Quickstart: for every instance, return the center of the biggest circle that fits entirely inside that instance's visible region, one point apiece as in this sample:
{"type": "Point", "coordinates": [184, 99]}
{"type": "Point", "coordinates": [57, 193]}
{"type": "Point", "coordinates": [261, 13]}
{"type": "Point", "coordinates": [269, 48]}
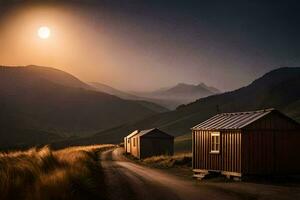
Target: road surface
{"type": "Point", "coordinates": [130, 181]}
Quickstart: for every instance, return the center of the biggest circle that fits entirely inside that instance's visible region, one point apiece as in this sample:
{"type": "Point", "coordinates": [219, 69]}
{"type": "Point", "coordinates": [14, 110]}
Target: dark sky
{"type": "Point", "coordinates": [226, 44]}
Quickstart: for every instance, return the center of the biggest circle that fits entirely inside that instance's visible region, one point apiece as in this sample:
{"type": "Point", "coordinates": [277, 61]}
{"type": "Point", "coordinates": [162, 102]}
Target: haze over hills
{"type": "Point", "coordinates": [170, 97]}
{"type": "Point", "coordinates": [46, 104]}
{"type": "Point", "coordinates": [181, 93]}
{"type": "Point", "coordinates": [110, 90]}
{"type": "Point", "coordinates": [149, 103]}
{"type": "Point", "coordinates": [277, 89]}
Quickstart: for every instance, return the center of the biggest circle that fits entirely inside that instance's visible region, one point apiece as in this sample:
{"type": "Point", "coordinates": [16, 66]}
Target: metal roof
{"type": "Point", "coordinates": [235, 120]}
{"type": "Point", "coordinates": [144, 132]}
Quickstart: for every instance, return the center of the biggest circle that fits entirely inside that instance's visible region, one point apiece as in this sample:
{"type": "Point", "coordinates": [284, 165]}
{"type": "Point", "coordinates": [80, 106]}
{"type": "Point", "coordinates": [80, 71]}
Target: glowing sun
{"type": "Point", "coordinates": [44, 32]}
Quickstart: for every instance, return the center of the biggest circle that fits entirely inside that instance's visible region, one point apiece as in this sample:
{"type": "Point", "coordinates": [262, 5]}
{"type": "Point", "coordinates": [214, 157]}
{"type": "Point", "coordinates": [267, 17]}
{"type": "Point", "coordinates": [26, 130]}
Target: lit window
{"type": "Point", "coordinates": [215, 142]}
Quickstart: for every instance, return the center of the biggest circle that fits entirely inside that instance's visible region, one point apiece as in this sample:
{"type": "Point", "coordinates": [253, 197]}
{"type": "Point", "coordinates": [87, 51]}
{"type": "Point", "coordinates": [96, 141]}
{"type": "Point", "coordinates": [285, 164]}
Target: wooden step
{"type": "Point", "coordinates": [200, 175]}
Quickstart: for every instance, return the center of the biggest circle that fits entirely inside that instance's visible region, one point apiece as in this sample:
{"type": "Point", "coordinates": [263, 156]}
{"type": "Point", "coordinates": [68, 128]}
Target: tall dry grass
{"type": "Point", "coordinates": [40, 173]}
{"type": "Point", "coordinates": [166, 161]}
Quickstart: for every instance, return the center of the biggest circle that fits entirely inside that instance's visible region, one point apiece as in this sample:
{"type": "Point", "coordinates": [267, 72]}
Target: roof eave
{"type": "Point", "coordinates": [222, 129]}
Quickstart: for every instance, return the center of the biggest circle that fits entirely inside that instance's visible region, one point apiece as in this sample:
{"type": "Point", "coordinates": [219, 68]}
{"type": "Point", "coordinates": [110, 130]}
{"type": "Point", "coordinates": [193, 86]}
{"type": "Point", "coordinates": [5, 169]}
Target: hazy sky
{"type": "Point", "coordinates": [144, 45]}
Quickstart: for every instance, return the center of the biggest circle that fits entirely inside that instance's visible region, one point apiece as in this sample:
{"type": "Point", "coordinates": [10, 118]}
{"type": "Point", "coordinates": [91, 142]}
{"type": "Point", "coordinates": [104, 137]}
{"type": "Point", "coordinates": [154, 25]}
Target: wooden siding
{"type": "Point", "coordinates": [229, 158]}
{"type": "Point", "coordinates": [125, 144]}
{"type": "Point", "coordinates": [128, 145]}
{"type": "Point", "coordinates": [153, 143]}
{"type": "Point", "coordinates": [271, 146]}
{"type": "Point", "coordinates": [273, 121]}
{"type": "Point", "coordinates": [270, 152]}
{"type": "Point", "coordinates": [156, 146]}
{"type": "Point", "coordinates": [135, 149]}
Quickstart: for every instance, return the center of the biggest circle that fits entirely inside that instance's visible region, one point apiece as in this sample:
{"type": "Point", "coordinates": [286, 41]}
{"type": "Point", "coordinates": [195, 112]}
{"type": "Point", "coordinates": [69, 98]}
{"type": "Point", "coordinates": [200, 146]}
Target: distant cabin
{"type": "Point", "coordinates": [264, 142]}
{"type": "Point", "coordinates": [147, 143]}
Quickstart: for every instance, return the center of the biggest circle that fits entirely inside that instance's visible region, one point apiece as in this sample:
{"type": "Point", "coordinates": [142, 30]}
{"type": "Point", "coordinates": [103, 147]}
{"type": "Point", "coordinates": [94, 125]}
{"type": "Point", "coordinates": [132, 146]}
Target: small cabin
{"type": "Point", "coordinates": [147, 143]}
{"type": "Point", "coordinates": [264, 142]}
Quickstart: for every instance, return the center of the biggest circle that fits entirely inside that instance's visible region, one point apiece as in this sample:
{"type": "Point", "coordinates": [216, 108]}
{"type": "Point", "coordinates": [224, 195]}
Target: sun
{"type": "Point", "coordinates": [44, 32]}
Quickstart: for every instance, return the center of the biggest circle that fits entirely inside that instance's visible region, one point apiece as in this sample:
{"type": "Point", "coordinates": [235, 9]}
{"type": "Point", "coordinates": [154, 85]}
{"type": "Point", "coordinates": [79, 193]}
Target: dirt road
{"type": "Point", "coordinates": [127, 180]}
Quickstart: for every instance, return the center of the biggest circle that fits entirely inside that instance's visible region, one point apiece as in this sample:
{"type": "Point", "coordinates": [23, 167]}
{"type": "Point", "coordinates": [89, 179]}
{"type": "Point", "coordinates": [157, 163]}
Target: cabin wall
{"type": "Point", "coordinates": [229, 158]}
{"type": "Point", "coordinates": [271, 146]}
{"type": "Point", "coordinates": [125, 144]}
{"type": "Point", "coordinates": [128, 145]}
{"type": "Point", "coordinates": [151, 146]}
{"type": "Point", "coordinates": [135, 146]}
{"type": "Point", "coordinates": [267, 152]}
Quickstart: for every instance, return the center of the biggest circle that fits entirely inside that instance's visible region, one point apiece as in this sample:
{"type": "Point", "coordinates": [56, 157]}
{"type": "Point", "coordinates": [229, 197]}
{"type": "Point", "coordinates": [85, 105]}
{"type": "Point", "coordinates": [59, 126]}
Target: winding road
{"type": "Point", "coordinates": [129, 181]}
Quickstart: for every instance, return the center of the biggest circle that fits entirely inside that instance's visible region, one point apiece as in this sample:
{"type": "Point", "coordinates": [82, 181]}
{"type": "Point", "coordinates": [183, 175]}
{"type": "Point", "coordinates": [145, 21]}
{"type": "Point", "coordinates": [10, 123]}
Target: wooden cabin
{"type": "Point", "coordinates": [127, 141]}
{"type": "Point", "coordinates": [264, 142]}
{"type": "Point", "coordinates": [151, 142]}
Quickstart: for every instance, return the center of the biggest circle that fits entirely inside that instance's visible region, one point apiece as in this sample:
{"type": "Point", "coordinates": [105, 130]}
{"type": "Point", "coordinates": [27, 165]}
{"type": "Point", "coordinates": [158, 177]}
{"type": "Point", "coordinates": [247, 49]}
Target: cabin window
{"type": "Point", "coordinates": [215, 142]}
{"type": "Point", "coordinates": [128, 141]}
{"type": "Point", "coordinates": [134, 142]}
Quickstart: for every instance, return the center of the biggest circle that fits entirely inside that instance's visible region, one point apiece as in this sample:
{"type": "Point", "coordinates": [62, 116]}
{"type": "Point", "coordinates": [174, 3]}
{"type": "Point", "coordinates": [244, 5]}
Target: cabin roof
{"type": "Point", "coordinates": [235, 120]}
{"type": "Point", "coordinates": [132, 134]}
{"type": "Point", "coordinates": [145, 132]}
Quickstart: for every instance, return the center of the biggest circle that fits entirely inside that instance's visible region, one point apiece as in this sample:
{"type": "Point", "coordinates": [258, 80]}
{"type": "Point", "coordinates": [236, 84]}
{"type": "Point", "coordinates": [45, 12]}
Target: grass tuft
{"type": "Point", "coordinates": [165, 161]}
{"type": "Point", "coordinates": [40, 173]}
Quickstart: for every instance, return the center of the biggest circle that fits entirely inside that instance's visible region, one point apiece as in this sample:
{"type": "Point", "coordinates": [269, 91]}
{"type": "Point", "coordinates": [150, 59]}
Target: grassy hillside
{"type": "Point", "coordinates": [72, 173]}
{"type": "Point", "coordinates": [152, 106]}
{"type": "Point", "coordinates": [278, 89]}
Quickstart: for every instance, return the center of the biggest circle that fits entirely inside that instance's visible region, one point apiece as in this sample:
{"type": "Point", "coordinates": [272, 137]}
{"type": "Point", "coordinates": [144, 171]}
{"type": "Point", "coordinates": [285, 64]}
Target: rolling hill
{"type": "Point", "coordinates": [50, 74]}
{"type": "Point", "coordinates": [110, 90]}
{"type": "Point", "coordinates": [278, 89]}
{"type": "Point", "coordinates": [45, 104]}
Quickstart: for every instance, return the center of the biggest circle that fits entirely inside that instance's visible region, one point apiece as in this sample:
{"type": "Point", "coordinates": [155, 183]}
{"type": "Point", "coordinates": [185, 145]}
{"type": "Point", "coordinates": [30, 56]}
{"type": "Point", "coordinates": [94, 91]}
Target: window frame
{"type": "Point", "coordinates": [215, 138]}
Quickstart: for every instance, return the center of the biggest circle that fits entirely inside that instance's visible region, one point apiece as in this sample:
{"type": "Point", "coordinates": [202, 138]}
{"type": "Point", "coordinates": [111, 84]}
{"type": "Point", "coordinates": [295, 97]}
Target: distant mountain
{"type": "Point", "coordinates": [209, 88]}
{"type": "Point", "coordinates": [186, 91]}
{"type": "Point", "coordinates": [181, 93]}
{"type": "Point", "coordinates": [153, 104]}
{"type": "Point", "coordinates": [278, 89]}
{"type": "Point", "coordinates": [36, 100]}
